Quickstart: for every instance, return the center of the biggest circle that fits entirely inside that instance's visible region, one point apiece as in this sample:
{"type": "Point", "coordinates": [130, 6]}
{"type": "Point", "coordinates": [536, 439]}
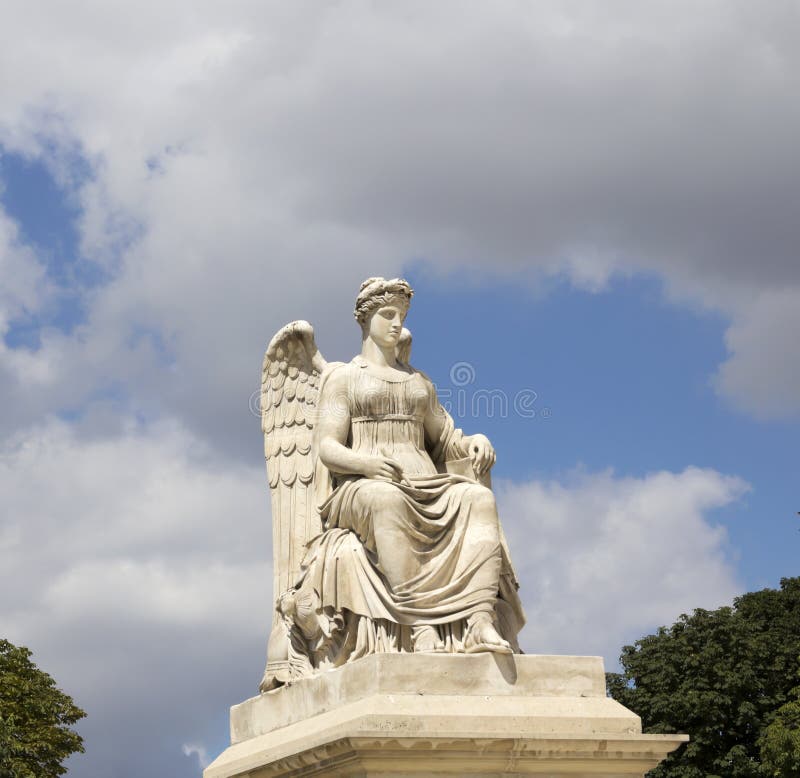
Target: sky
{"type": "Point", "coordinates": [598, 206]}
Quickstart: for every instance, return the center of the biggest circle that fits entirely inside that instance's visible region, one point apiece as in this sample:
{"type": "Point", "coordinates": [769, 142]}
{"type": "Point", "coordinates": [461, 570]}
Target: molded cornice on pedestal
{"type": "Point", "coordinates": [432, 715]}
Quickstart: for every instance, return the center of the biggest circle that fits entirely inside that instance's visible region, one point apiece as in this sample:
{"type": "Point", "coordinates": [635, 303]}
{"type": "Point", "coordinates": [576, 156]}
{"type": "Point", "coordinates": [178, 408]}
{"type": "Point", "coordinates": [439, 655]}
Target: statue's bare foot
{"type": "Point", "coordinates": [482, 636]}
{"type": "Point", "coordinates": [426, 640]}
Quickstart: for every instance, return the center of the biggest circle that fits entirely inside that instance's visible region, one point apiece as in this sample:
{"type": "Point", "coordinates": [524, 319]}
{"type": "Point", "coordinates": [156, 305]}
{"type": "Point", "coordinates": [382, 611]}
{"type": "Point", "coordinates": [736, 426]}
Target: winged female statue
{"type": "Point", "coordinates": [385, 532]}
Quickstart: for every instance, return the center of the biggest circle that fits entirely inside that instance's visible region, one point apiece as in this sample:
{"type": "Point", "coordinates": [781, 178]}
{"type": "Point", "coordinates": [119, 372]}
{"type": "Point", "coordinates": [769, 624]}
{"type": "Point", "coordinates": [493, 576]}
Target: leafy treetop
{"type": "Point", "coordinates": [721, 676]}
{"type": "Point", "coordinates": [35, 718]}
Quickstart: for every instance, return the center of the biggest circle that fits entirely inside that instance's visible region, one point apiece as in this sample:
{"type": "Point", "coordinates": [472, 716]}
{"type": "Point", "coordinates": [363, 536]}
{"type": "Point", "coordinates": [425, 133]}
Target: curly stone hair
{"type": "Point", "coordinates": [378, 291]}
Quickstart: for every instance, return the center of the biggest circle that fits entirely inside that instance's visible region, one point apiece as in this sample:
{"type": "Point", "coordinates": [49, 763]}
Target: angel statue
{"type": "Point", "coordinates": [385, 531]}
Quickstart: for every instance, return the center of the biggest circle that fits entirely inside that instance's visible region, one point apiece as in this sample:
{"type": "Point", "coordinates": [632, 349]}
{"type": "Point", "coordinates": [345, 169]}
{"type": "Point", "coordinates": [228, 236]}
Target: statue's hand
{"type": "Point", "coordinates": [383, 468]}
{"type": "Point", "coordinates": [481, 452]}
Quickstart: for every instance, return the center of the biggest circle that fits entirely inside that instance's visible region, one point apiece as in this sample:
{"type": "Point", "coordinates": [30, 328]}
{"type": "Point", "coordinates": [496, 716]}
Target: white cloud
{"type": "Point", "coordinates": [605, 559]}
{"type": "Point", "coordinates": [762, 374]}
{"type": "Point", "coordinates": [25, 293]}
{"type": "Point", "coordinates": [199, 751]}
{"type": "Point", "coordinates": [25, 288]}
{"type": "Point", "coordinates": [137, 569]}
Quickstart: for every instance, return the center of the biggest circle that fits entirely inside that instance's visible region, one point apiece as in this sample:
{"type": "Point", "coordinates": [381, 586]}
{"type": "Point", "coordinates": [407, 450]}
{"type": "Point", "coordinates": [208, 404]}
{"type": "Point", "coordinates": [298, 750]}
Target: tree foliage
{"type": "Point", "coordinates": [722, 677]}
{"type": "Point", "coordinates": [780, 741]}
{"type": "Point", "coordinates": [35, 718]}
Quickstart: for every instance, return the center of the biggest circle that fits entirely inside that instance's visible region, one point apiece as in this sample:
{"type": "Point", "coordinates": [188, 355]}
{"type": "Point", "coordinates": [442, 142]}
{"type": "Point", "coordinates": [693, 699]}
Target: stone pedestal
{"type": "Point", "coordinates": [432, 715]}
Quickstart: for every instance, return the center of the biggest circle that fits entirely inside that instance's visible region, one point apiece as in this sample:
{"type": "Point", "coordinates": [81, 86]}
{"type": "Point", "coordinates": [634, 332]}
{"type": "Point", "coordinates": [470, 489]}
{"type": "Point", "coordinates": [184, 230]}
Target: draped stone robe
{"type": "Point", "coordinates": [394, 557]}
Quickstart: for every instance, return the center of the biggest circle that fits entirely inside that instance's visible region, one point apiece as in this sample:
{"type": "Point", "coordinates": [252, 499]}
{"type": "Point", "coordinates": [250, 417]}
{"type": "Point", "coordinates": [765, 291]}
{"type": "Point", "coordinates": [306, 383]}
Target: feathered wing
{"type": "Point", "coordinates": [292, 375]}
{"type": "Point", "coordinates": [404, 347]}
{"type": "Point", "coordinates": [289, 387]}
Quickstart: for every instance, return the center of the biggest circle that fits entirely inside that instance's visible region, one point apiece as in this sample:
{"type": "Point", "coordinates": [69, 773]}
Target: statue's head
{"type": "Point", "coordinates": [381, 308]}
{"type": "Point", "coordinates": [378, 292]}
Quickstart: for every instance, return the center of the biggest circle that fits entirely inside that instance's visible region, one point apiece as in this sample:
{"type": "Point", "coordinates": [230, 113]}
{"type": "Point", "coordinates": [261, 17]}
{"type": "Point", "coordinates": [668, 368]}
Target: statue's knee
{"type": "Point", "coordinates": [481, 496]}
{"type": "Point", "coordinates": [483, 508]}
{"type": "Point", "coordinates": [380, 495]}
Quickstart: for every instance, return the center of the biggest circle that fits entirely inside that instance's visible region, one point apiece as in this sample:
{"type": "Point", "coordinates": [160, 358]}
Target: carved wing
{"type": "Point", "coordinates": [289, 386]}
{"type": "Point", "coordinates": [404, 346]}
{"type": "Point", "coordinates": [290, 382]}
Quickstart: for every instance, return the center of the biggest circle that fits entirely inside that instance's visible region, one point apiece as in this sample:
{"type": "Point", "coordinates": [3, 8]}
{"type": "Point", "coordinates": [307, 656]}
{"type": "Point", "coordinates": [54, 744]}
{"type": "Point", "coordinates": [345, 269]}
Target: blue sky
{"type": "Point", "coordinates": [46, 219]}
{"type": "Point", "coordinates": [628, 381]}
{"type": "Point", "coordinates": [596, 205]}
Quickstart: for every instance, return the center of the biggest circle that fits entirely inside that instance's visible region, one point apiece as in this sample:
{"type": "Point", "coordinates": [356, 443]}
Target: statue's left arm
{"type": "Point", "coordinates": [448, 442]}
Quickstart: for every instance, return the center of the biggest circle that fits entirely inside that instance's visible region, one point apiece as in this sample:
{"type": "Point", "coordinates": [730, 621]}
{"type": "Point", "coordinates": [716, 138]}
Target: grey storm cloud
{"type": "Point", "coordinates": [270, 157]}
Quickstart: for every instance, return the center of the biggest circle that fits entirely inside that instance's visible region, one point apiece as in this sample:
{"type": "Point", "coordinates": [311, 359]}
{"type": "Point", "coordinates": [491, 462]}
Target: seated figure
{"type": "Point", "coordinates": [387, 537]}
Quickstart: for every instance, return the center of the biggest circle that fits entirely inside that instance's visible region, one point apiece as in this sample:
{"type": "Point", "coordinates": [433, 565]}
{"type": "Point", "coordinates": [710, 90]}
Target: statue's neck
{"type": "Point", "coordinates": [383, 357]}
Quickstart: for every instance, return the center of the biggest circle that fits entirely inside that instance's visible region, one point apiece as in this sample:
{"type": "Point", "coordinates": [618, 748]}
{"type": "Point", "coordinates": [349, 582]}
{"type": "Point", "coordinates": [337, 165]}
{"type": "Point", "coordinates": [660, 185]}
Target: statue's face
{"type": "Point", "coordinates": [386, 323]}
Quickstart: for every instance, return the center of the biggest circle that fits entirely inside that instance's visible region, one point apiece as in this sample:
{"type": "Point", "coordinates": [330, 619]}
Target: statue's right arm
{"type": "Point", "coordinates": [334, 427]}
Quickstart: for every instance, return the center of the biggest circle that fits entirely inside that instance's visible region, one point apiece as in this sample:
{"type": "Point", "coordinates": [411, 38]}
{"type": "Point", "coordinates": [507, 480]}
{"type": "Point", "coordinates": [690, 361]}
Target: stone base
{"type": "Point", "coordinates": [432, 715]}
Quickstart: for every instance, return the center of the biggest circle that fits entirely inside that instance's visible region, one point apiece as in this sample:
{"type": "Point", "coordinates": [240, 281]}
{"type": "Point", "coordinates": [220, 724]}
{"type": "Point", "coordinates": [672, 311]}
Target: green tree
{"type": "Point", "coordinates": [780, 741]}
{"type": "Point", "coordinates": [35, 718]}
{"type": "Point", "coordinates": [721, 677]}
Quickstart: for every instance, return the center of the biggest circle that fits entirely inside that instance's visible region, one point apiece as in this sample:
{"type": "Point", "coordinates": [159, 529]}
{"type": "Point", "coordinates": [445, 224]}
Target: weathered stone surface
{"type": "Point", "coordinates": [392, 715]}
{"type": "Point", "coordinates": [386, 536]}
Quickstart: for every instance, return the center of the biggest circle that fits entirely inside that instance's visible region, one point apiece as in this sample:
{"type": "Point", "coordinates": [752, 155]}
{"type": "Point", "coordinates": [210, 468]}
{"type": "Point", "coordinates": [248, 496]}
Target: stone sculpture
{"type": "Point", "coordinates": [385, 530]}
{"type": "Point", "coordinates": [388, 550]}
